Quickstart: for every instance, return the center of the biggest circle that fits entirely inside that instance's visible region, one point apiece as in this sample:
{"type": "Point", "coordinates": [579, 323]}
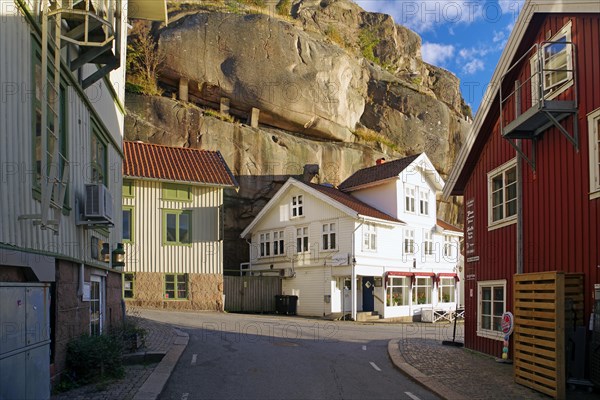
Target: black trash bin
{"type": "Point", "coordinates": [281, 304]}
{"type": "Point", "coordinates": [292, 305]}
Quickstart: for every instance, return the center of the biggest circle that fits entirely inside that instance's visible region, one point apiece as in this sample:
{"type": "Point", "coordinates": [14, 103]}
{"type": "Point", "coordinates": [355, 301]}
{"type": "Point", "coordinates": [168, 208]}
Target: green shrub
{"type": "Point", "coordinates": [368, 40]}
{"type": "Point", "coordinates": [334, 35]}
{"type": "Point", "coordinates": [219, 115]}
{"type": "Point", "coordinates": [93, 358]}
{"type": "Point", "coordinates": [370, 135]}
{"type": "Point", "coordinates": [284, 7]}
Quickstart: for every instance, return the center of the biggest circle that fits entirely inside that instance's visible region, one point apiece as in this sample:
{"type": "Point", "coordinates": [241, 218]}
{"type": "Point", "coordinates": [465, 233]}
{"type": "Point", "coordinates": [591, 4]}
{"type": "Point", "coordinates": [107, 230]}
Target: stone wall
{"type": "Point", "coordinates": [205, 292]}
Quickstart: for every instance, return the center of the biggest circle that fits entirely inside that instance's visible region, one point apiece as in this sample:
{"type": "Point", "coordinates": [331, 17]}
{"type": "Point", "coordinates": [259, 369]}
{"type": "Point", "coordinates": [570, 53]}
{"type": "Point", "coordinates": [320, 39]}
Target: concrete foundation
{"type": "Point", "coordinates": [183, 89]}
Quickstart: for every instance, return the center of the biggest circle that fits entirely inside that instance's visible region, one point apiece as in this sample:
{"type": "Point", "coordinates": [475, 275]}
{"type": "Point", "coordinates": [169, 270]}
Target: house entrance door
{"type": "Point", "coordinates": [368, 285]}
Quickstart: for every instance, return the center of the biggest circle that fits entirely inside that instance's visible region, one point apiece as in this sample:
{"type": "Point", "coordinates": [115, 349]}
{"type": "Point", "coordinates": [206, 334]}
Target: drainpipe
{"type": "Point", "coordinates": [519, 212]}
{"type": "Point", "coordinates": [81, 279]}
{"type": "Point", "coordinates": [353, 264]}
{"type": "Point", "coordinates": [519, 185]}
{"type": "Point", "coordinates": [249, 257]}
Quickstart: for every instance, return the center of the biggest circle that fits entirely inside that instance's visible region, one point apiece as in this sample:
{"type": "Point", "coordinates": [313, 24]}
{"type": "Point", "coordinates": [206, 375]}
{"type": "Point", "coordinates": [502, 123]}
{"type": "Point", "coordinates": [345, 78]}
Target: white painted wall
{"type": "Point", "coordinates": [147, 253]}
{"type": "Point", "coordinates": [16, 149]}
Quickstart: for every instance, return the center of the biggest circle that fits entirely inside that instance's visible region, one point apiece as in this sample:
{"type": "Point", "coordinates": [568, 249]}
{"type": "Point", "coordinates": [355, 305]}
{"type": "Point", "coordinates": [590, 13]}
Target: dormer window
{"type": "Point", "coordinates": [297, 206]}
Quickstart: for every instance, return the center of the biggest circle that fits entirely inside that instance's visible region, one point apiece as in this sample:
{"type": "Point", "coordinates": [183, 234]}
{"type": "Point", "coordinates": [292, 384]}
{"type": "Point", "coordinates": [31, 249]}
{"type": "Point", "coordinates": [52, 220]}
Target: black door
{"type": "Point", "coordinates": [368, 285]}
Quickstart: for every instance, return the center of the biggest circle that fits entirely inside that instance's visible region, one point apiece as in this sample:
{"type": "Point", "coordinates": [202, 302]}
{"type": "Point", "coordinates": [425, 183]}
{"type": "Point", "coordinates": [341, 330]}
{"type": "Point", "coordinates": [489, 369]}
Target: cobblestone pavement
{"type": "Point", "coordinates": [159, 338]}
{"type": "Point", "coordinates": [474, 375]}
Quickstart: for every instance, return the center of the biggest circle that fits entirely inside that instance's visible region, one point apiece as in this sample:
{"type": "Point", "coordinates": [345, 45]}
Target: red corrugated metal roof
{"type": "Point", "coordinates": [447, 227]}
{"type": "Point", "coordinates": [146, 160]}
{"type": "Point", "coordinates": [352, 202]}
{"type": "Point", "coordinates": [377, 173]}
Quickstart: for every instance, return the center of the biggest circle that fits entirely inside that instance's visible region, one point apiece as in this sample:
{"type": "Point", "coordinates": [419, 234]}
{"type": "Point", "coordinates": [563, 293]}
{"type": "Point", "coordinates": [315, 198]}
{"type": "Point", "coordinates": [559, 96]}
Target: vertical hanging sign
{"type": "Point", "coordinates": [470, 252]}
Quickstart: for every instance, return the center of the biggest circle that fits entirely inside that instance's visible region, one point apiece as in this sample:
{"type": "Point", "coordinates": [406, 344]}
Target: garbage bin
{"type": "Point", "coordinates": [281, 304]}
{"type": "Point", "coordinates": [285, 304]}
{"type": "Point", "coordinates": [292, 305]}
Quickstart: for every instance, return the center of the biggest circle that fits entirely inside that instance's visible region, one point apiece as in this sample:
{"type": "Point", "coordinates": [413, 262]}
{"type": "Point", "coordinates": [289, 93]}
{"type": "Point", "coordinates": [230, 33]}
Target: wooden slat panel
{"type": "Point", "coordinates": [251, 293]}
{"type": "Point", "coordinates": [535, 305]}
{"type": "Point", "coordinates": [536, 323]}
{"type": "Point", "coordinates": [527, 348]}
{"type": "Point", "coordinates": [533, 385]}
{"type": "Point", "coordinates": [536, 360]}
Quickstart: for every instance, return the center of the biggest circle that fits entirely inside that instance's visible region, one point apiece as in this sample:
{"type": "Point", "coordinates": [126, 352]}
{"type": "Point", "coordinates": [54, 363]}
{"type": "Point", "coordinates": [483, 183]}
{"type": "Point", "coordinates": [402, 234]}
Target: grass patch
{"type": "Point", "coordinates": [334, 35]}
{"type": "Point", "coordinates": [368, 41]}
{"type": "Point", "coordinates": [369, 135]}
{"type": "Point", "coordinates": [284, 7]}
{"type": "Point", "coordinates": [218, 115]}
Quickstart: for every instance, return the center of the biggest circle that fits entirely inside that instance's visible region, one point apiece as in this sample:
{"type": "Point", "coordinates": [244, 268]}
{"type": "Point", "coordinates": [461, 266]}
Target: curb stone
{"type": "Point", "coordinates": [156, 382]}
{"type": "Point", "coordinates": [427, 382]}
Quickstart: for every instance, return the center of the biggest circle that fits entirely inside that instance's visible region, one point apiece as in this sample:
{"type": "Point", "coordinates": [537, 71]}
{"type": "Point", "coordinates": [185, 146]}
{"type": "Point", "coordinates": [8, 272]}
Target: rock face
{"type": "Point", "coordinates": [298, 82]}
{"type": "Point", "coordinates": [319, 77]}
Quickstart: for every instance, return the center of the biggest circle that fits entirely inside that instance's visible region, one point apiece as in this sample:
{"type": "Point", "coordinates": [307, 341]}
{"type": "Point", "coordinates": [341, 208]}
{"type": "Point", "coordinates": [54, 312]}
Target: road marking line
{"type": "Point", "coordinates": [364, 347]}
{"type": "Point", "coordinates": [194, 358]}
{"type": "Point", "coordinates": [375, 366]}
{"type": "Point", "coordinates": [412, 396]}
{"type": "Point", "coordinates": [185, 396]}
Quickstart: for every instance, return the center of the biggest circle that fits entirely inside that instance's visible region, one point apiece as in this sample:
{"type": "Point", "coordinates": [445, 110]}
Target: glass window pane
{"type": "Point", "coordinates": [486, 293]}
{"type": "Point", "coordinates": [498, 293]}
{"type": "Point", "coordinates": [325, 242]}
{"type": "Point", "coordinates": [486, 322]}
{"type": "Point", "coordinates": [498, 308]}
{"type": "Point", "coordinates": [126, 224]}
{"type": "Point", "coordinates": [332, 240]}
{"type": "Point", "coordinates": [171, 220]}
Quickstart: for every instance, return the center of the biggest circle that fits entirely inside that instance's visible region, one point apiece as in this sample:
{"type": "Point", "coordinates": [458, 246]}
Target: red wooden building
{"type": "Point", "coordinates": [530, 169]}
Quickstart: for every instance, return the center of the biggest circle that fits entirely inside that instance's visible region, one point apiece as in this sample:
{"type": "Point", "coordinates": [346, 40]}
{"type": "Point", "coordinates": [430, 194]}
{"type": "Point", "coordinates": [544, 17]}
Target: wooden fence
{"type": "Point", "coordinates": [540, 322]}
{"type": "Point", "coordinates": [251, 293]}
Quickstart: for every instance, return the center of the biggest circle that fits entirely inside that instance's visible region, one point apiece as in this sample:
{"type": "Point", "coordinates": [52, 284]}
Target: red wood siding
{"type": "Point", "coordinates": [561, 223]}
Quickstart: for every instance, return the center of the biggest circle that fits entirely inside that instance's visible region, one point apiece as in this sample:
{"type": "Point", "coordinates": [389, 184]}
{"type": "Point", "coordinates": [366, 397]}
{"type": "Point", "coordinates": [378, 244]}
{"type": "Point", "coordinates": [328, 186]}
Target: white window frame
{"type": "Point", "coordinates": [409, 199]}
{"type": "Point", "coordinates": [369, 237]}
{"type": "Point", "coordinates": [302, 243]}
{"type": "Point", "coordinates": [329, 232]}
{"type": "Point", "coordinates": [297, 206]}
{"type": "Point", "coordinates": [489, 333]}
{"type": "Point", "coordinates": [423, 201]}
{"type": "Point", "coordinates": [402, 282]}
{"type": "Point", "coordinates": [265, 244]}
{"type": "Point", "coordinates": [448, 243]}
{"type": "Point", "coordinates": [427, 242]}
{"type": "Point", "coordinates": [504, 221]}
{"type": "Point", "coordinates": [444, 283]}
{"type": "Point", "coordinates": [278, 243]}
{"type": "Point", "coordinates": [594, 138]}
{"type": "Point", "coordinates": [409, 242]}
{"type": "Point", "coordinates": [429, 290]}
{"type": "Point", "coordinates": [99, 319]}
{"type": "Point", "coordinates": [551, 92]}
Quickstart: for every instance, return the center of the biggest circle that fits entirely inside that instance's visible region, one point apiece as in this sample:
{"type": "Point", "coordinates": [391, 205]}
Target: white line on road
{"type": "Point", "coordinates": [412, 396]}
{"type": "Point", "coordinates": [364, 347]}
{"type": "Point", "coordinates": [375, 366]}
{"type": "Point", "coordinates": [185, 396]}
{"type": "Point", "coordinates": [194, 358]}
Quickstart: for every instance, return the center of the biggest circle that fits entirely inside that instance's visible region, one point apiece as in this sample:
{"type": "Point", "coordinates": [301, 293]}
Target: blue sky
{"type": "Point", "coordinates": [465, 37]}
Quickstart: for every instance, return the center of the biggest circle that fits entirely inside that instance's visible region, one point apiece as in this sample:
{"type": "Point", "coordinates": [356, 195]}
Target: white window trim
{"type": "Point", "coordinates": [485, 332]}
{"type": "Point", "coordinates": [303, 235]}
{"type": "Point", "coordinates": [560, 88]}
{"type": "Point", "coordinates": [410, 237]}
{"type": "Point", "coordinates": [276, 242]}
{"type": "Point", "coordinates": [427, 238]}
{"type": "Point", "coordinates": [264, 242]}
{"type": "Point", "coordinates": [593, 133]}
{"type": "Point", "coordinates": [424, 198]}
{"type": "Point", "coordinates": [329, 232]}
{"type": "Point", "coordinates": [299, 206]}
{"type": "Point", "coordinates": [370, 232]}
{"type": "Point", "coordinates": [407, 188]}
{"type": "Point", "coordinates": [504, 221]}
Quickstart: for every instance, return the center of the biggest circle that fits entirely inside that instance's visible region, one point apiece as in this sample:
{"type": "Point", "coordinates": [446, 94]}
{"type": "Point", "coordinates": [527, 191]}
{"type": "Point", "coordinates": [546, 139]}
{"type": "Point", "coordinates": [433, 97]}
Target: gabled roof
{"type": "Point", "coordinates": [151, 161]}
{"type": "Point", "coordinates": [447, 227]}
{"type": "Point", "coordinates": [468, 155]}
{"type": "Point", "coordinates": [334, 197]}
{"type": "Point", "coordinates": [381, 173]}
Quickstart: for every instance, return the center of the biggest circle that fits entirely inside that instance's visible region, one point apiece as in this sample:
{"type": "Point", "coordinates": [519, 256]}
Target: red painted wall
{"type": "Point", "coordinates": [561, 223]}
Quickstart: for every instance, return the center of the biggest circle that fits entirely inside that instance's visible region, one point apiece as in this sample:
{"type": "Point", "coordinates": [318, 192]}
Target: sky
{"type": "Point", "coordinates": [465, 37]}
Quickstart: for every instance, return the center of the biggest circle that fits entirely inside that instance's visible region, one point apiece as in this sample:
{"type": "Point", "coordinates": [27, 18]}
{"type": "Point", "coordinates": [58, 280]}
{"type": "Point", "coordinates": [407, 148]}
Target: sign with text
{"type": "Point", "coordinates": [470, 228]}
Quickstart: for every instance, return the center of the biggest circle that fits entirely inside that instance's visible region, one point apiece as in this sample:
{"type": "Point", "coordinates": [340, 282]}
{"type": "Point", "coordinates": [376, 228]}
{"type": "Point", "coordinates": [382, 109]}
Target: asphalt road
{"type": "Point", "coordinates": [232, 356]}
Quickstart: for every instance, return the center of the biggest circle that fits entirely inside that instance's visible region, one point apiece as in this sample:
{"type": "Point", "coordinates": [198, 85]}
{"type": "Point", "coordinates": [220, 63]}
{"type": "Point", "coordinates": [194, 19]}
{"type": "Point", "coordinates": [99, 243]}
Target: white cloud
{"type": "Point", "coordinates": [436, 53]}
{"type": "Point", "coordinates": [498, 36]}
{"type": "Point", "coordinates": [512, 7]}
{"type": "Point", "coordinates": [426, 15]}
{"type": "Point", "coordinates": [473, 66]}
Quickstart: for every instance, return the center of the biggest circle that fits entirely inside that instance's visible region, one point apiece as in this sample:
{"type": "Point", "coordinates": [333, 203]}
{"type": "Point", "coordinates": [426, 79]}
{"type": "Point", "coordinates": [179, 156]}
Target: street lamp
{"type": "Point", "coordinates": [118, 257]}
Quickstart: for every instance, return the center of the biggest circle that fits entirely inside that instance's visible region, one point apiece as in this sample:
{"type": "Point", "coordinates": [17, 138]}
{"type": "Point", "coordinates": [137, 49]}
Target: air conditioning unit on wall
{"type": "Point", "coordinates": [287, 273]}
{"type": "Point", "coordinates": [98, 203]}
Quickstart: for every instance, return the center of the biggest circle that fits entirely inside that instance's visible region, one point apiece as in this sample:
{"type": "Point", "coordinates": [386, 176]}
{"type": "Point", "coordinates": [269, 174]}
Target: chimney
{"type": "Point", "coordinates": [380, 161]}
{"type": "Point", "coordinates": [310, 171]}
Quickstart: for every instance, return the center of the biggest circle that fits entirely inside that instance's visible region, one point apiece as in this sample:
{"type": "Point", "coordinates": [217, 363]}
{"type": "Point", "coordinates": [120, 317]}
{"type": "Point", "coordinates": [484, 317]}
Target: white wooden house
{"type": "Point", "coordinates": [172, 226]}
{"type": "Point", "coordinates": [372, 245]}
{"type": "Point", "coordinates": [62, 80]}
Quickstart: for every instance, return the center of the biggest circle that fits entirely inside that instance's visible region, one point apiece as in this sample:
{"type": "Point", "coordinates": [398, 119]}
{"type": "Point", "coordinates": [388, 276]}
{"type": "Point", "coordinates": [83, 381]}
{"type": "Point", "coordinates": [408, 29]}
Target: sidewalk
{"type": "Point", "coordinates": [145, 379]}
{"type": "Point", "coordinates": [457, 373]}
